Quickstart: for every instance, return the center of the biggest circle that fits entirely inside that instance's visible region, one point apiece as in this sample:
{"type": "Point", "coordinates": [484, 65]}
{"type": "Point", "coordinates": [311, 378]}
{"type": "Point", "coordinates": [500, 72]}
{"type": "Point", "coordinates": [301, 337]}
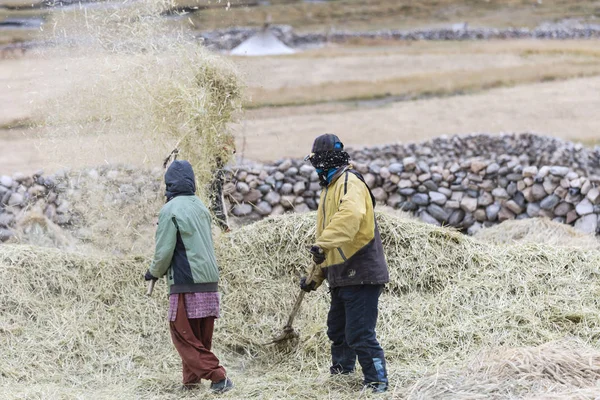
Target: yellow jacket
{"type": "Point", "coordinates": [348, 233]}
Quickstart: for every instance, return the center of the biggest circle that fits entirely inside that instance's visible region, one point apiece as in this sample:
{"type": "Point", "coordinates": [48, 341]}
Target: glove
{"type": "Point", "coordinates": [149, 277]}
{"type": "Point", "coordinates": [307, 287]}
{"type": "Point", "coordinates": [318, 254]}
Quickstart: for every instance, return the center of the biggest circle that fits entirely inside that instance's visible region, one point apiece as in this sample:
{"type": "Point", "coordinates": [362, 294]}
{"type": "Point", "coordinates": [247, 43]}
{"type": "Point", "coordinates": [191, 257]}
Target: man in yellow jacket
{"type": "Point", "coordinates": [348, 253]}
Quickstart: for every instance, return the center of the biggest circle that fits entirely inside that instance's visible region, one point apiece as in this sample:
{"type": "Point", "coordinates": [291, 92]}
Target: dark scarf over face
{"type": "Point", "coordinates": [180, 180]}
{"type": "Point", "coordinates": [325, 176]}
{"type": "Point", "coordinates": [327, 163]}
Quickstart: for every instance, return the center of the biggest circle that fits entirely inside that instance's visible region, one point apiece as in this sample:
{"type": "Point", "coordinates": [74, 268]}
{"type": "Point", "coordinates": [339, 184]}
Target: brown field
{"type": "Point", "coordinates": [347, 14]}
{"type": "Point", "coordinates": [397, 14]}
{"type": "Point", "coordinates": [548, 87]}
{"type": "Point", "coordinates": [413, 70]}
{"type": "Point", "coordinates": [565, 109]}
{"type": "Point", "coordinates": [369, 92]}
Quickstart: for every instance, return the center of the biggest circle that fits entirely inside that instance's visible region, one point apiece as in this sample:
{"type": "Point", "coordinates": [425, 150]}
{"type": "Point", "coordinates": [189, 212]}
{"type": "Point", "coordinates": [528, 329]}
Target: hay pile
{"type": "Point", "coordinates": [555, 370]}
{"type": "Point", "coordinates": [458, 320]}
{"type": "Point", "coordinates": [538, 231]}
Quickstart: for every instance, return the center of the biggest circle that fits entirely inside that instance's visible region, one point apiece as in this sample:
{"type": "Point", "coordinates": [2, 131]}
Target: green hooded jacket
{"type": "Point", "coordinates": [184, 246]}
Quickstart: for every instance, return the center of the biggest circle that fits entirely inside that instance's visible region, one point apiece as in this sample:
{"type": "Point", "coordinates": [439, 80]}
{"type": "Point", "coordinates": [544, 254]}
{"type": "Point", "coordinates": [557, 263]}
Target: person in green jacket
{"type": "Point", "coordinates": [185, 254]}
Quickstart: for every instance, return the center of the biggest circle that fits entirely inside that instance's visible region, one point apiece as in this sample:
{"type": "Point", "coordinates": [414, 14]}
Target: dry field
{"type": "Point", "coordinates": [351, 14]}
{"type": "Point", "coordinates": [29, 84]}
{"type": "Point", "coordinates": [566, 109]}
{"type": "Point", "coordinates": [412, 69]}
{"type": "Point", "coordinates": [460, 319]}
{"type": "Point", "coordinates": [368, 94]}
{"type": "Point", "coordinates": [397, 14]}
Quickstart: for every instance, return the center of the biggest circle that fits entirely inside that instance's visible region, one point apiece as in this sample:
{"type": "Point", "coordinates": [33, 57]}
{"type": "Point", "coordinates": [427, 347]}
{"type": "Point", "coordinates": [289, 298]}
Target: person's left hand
{"type": "Point", "coordinates": [307, 287]}
{"type": "Point", "coordinates": [149, 277]}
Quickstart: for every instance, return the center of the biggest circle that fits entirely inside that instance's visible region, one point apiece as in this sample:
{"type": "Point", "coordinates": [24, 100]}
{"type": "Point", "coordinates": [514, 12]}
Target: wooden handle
{"type": "Point", "coordinates": [151, 284]}
{"type": "Point", "coordinates": [296, 308]}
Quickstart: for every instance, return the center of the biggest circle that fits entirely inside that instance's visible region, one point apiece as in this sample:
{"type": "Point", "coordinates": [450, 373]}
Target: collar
{"type": "Point", "coordinates": [339, 173]}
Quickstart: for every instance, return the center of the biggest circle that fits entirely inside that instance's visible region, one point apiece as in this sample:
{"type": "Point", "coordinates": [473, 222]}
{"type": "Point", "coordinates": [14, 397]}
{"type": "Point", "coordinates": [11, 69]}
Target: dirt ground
{"type": "Point", "coordinates": [397, 14]}
{"type": "Point", "coordinates": [410, 69]}
{"type": "Point", "coordinates": [373, 64]}
{"type": "Point", "coordinates": [565, 109]}
{"type": "Point", "coordinates": [520, 101]}
{"type": "Point", "coordinates": [381, 59]}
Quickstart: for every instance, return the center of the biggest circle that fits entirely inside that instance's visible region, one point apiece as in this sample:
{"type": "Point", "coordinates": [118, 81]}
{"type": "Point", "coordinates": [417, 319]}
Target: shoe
{"type": "Point", "coordinates": [377, 387]}
{"type": "Point", "coordinates": [221, 386]}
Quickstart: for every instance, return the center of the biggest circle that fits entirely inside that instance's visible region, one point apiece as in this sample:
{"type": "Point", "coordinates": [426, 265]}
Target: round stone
{"type": "Point", "coordinates": [421, 199]}
{"type": "Point", "coordinates": [242, 187]}
{"type": "Point", "coordinates": [287, 188]}
{"type": "Point", "coordinates": [16, 199]}
{"type": "Point", "coordinates": [438, 198]}
{"type": "Point", "coordinates": [5, 234]}
{"type": "Point", "coordinates": [242, 210]}
{"type": "Point", "coordinates": [306, 170]}
{"type": "Point", "coordinates": [384, 173]}
{"type": "Point", "coordinates": [272, 198]}
{"type": "Point", "coordinates": [6, 181]}
{"type": "Point", "coordinates": [437, 212]}
{"type": "Point", "coordinates": [380, 195]}
{"type": "Point", "coordinates": [264, 208]}
{"type": "Point", "coordinates": [285, 165]}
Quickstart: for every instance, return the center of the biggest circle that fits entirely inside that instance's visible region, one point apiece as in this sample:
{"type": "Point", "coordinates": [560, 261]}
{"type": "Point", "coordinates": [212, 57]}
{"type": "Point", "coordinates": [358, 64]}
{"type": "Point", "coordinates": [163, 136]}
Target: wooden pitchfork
{"type": "Point", "coordinates": [288, 331]}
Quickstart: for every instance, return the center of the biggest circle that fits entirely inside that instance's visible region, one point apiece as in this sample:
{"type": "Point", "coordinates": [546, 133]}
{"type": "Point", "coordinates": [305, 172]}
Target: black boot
{"type": "Point", "coordinates": [377, 387]}
{"type": "Point", "coordinates": [221, 386]}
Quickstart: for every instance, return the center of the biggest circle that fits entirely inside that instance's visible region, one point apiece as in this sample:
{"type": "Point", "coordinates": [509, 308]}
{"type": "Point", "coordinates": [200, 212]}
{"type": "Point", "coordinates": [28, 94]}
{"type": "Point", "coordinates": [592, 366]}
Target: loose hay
{"type": "Point", "coordinates": [551, 370]}
{"type": "Point", "coordinates": [540, 231]}
{"type": "Point", "coordinates": [137, 81]}
{"type": "Point", "coordinates": [79, 326]}
{"type": "Point", "coordinates": [34, 227]}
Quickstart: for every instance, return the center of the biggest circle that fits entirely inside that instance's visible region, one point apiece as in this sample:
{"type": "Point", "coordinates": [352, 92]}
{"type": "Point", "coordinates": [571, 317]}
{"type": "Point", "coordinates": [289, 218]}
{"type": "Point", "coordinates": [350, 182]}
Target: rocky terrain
{"type": "Point", "coordinates": [467, 182]}
{"type": "Point", "coordinates": [227, 39]}
{"type": "Point", "coordinates": [79, 200]}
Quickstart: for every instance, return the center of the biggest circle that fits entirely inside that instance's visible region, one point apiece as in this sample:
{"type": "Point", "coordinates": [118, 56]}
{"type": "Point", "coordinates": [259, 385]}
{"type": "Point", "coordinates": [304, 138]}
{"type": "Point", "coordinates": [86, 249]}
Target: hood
{"type": "Point", "coordinates": [180, 180]}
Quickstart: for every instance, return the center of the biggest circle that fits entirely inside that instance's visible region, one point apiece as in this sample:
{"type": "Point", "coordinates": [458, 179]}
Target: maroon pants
{"type": "Point", "coordinates": [193, 339]}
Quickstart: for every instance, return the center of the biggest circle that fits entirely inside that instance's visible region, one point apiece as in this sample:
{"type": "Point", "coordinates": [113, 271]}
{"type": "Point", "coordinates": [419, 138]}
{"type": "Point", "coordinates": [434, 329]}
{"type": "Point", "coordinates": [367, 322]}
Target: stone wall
{"type": "Point", "coordinates": [227, 39]}
{"type": "Point", "coordinates": [525, 149]}
{"type": "Point", "coordinates": [463, 181]}
{"type": "Point", "coordinates": [82, 201]}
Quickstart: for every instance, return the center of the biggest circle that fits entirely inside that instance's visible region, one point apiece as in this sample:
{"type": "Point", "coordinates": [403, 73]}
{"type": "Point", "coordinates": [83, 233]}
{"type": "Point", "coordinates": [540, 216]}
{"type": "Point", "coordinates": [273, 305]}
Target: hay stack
{"type": "Point", "coordinates": [448, 293]}
{"type": "Point", "coordinates": [540, 231]}
{"type": "Point", "coordinates": [557, 370]}
{"type": "Point", "coordinates": [79, 326]}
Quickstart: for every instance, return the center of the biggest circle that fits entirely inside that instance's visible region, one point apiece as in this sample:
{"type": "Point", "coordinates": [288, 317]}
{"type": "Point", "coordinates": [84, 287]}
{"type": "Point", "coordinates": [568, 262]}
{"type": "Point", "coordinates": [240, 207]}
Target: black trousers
{"type": "Point", "coordinates": [351, 329]}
